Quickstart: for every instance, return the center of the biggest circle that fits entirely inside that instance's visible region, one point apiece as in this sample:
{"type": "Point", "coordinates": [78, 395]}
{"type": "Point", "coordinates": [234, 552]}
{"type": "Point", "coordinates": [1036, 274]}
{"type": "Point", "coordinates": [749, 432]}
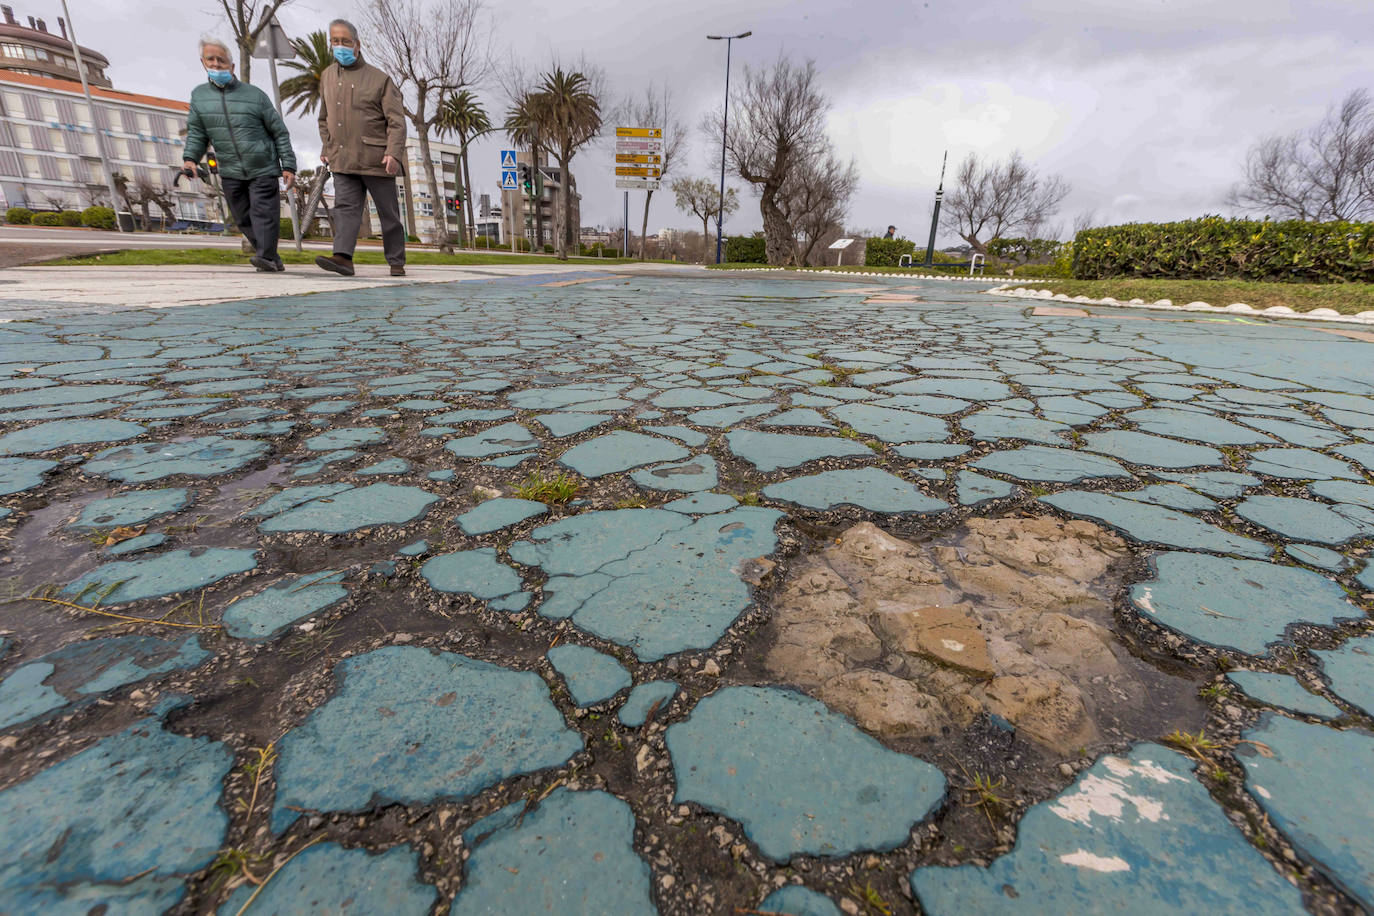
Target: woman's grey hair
{"type": "Point", "coordinates": [215, 43]}
{"type": "Point", "coordinates": [352, 29]}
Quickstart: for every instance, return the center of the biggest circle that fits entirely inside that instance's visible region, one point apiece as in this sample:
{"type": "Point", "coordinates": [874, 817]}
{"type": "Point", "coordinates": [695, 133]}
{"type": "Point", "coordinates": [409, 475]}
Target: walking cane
{"type": "Point", "coordinates": [318, 192]}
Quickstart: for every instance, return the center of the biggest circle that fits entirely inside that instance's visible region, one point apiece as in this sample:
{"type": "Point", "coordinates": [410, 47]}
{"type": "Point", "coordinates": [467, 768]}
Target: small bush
{"type": "Point", "coordinates": [70, 218]}
{"type": "Point", "coordinates": [887, 252]}
{"type": "Point", "coordinates": [98, 218]}
{"type": "Point", "coordinates": [548, 249]}
{"type": "Point", "coordinates": [19, 216]}
{"type": "Point", "coordinates": [746, 249]}
{"type": "Point", "coordinates": [412, 238]}
{"type": "Point", "coordinates": [285, 229]}
{"type": "Point", "coordinates": [1214, 248]}
{"type": "Point", "coordinates": [47, 218]}
{"type": "Point", "coordinates": [522, 244]}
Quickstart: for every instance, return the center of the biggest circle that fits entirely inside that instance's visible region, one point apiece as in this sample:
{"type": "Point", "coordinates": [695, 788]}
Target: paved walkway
{"type": "Point", "coordinates": [468, 597]}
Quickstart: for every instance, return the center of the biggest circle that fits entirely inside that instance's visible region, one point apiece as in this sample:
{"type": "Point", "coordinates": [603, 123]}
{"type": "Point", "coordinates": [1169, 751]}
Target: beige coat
{"type": "Point", "coordinates": [362, 119]}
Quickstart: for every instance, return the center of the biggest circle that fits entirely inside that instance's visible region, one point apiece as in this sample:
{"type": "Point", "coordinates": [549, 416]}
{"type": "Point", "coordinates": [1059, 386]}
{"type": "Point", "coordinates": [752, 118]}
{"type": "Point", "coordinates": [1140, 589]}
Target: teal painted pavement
{"type": "Point", "coordinates": [571, 854]}
{"type": "Point", "coordinates": [117, 825]}
{"type": "Point", "coordinates": [164, 574]}
{"type": "Point", "coordinates": [282, 603]}
{"type": "Point", "coordinates": [1306, 786]}
{"type": "Point", "coordinates": [867, 488]}
{"type": "Point", "coordinates": [1244, 604]}
{"type": "Point", "coordinates": [341, 882]}
{"type": "Point", "coordinates": [799, 778]}
{"type": "Point", "coordinates": [410, 725]}
{"type": "Point", "coordinates": [591, 676]}
{"type": "Point", "coordinates": [1134, 834]}
{"type": "Point", "coordinates": [1231, 452]}
{"type": "Point", "coordinates": [799, 901]}
{"type": "Point", "coordinates": [654, 581]}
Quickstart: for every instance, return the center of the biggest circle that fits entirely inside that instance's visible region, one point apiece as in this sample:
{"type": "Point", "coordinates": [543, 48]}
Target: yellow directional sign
{"type": "Point", "coordinates": [648, 171]}
{"type": "Point", "coordinates": [639, 158]}
{"type": "Point", "coordinates": [639, 132]}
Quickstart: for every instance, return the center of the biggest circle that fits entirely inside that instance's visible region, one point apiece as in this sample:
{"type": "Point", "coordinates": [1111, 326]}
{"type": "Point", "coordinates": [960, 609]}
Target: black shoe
{"type": "Point", "coordinates": [336, 263]}
{"type": "Point", "coordinates": [397, 270]}
{"type": "Point", "coordinates": [265, 266]}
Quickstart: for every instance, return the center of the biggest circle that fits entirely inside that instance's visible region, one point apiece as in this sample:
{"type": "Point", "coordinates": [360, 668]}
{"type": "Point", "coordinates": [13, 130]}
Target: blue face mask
{"type": "Point", "coordinates": [220, 77]}
{"type": "Point", "coordinates": [345, 56]}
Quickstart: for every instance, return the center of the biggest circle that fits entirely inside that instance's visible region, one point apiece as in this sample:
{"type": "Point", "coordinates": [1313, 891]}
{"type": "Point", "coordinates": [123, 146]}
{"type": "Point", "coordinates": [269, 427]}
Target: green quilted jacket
{"type": "Point", "coordinates": [240, 122]}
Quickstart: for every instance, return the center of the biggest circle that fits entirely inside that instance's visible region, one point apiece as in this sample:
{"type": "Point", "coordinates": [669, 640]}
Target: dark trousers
{"type": "Point", "coordinates": [256, 206]}
{"type": "Point", "coordinates": [350, 196]}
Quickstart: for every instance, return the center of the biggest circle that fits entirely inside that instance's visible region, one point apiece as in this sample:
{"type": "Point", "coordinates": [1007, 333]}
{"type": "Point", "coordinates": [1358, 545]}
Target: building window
{"type": "Point", "coordinates": [12, 50]}
{"type": "Point", "coordinates": [31, 167]}
{"type": "Point", "coordinates": [64, 169]}
{"type": "Point", "coordinates": [83, 114]}
{"type": "Point", "coordinates": [49, 108]}
{"type": "Point", "coordinates": [58, 139]}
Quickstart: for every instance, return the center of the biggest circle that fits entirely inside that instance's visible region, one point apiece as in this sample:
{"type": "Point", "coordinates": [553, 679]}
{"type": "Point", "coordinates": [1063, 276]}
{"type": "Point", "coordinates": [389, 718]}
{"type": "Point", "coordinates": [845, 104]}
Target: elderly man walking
{"type": "Point", "coordinates": [252, 145]}
{"type": "Point", "coordinates": [363, 137]}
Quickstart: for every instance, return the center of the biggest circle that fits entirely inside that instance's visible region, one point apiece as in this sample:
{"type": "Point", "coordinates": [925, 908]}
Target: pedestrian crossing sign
{"type": "Point", "coordinates": [508, 182]}
{"type": "Point", "coordinates": [507, 159]}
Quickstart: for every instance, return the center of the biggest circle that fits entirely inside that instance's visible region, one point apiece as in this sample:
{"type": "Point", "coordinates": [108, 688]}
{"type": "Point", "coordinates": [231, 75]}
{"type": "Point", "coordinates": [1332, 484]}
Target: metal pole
{"type": "Point", "coordinates": [724, 132]}
{"type": "Point", "coordinates": [276, 99]}
{"type": "Point", "coordinates": [90, 103]}
{"type": "Point", "coordinates": [935, 217]}
{"type": "Point", "coordinates": [625, 235]}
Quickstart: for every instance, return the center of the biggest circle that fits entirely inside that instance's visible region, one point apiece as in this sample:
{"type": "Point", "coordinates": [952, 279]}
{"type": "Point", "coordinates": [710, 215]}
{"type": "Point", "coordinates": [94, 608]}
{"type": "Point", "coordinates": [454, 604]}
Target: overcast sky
{"type": "Point", "coordinates": [1146, 107]}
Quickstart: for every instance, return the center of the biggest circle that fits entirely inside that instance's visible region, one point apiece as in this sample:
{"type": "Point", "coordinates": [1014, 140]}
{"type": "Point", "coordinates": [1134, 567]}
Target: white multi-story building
{"type": "Point", "coordinates": [448, 175]}
{"type": "Point", "coordinates": [48, 154]}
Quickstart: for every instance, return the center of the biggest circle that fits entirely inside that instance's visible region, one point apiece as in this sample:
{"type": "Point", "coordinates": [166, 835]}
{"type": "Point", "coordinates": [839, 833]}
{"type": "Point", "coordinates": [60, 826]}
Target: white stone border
{"type": "Point", "coordinates": [1235, 308]}
{"type": "Point", "coordinates": [868, 273]}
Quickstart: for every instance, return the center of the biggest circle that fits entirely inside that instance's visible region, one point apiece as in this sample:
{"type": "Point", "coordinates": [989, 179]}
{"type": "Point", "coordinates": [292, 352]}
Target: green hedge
{"type": "Point", "coordinates": [98, 218]}
{"type": "Point", "coordinates": [746, 249]}
{"type": "Point", "coordinates": [19, 216]}
{"type": "Point", "coordinates": [47, 218]}
{"type": "Point", "coordinates": [887, 252]}
{"type": "Point", "coordinates": [70, 218]}
{"type": "Point", "coordinates": [1213, 248]}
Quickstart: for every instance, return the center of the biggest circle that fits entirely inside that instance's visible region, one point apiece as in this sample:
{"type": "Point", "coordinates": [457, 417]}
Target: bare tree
{"type": "Point", "coordinates": [815, 200]}
{"type": "Point", "coordinates": [1324, 173]}
{"type": "Point", "coordinates": [248, 19]}
{"type": "Point", "coordinates": [991, 199]}
{"type": "Point", "coordinates": [777, 124]}
{"type": "Point", "coordinates": [1083, 221]}
{"type": "Point", "coordinates": [655, 109]}
{"type": "Point", "coordinates": [431, 51]}
{"type": "Point", "coordinates": [701, 198]}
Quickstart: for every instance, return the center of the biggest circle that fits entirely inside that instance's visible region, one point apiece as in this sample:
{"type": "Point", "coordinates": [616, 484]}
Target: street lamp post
{"type": "Point", "coordinates": [724, 130]}
{"type": "Point", "coordinates": [935, 217]}
{"type": "Point", "coordinates": [95, 122]}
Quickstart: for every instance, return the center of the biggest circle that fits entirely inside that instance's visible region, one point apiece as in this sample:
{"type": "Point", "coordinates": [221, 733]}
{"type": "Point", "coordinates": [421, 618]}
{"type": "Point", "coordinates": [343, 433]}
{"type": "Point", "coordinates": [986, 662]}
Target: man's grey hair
{"type": "Point", "coordinates": [352, 29]}
{"type": "Point", "coordinates": [215, 43]}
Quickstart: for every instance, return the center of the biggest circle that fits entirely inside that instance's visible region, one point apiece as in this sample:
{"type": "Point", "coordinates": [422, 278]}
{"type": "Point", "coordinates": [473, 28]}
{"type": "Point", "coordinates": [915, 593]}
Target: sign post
{"type": "Point", "coordinates": [838, 246]}
{"type": "Point", "coordinates": [638, 165]}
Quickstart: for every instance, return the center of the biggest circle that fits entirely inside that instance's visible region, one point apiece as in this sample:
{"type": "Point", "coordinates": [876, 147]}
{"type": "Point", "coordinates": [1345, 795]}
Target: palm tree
{"type": "Point", "coordinates": [302, 93]}
{"type": "Point", "coordinates": [527, 125]}
{"type": "Point", "coordinates": [573, 116]}
{"type": "Point", "coordinates": [463, 115]}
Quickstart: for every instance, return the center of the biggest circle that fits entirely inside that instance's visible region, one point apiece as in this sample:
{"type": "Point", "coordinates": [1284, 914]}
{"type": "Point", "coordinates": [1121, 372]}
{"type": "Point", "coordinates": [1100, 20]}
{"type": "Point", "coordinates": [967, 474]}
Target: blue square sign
{"type": "Point", "coordinates": [507, 159]}
{"type": "Point", "coordinates": [508, 181]}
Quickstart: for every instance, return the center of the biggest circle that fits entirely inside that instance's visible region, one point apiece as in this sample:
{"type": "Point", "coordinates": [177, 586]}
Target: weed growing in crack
{"type": "Point", "coordinates": [311, 644]}
{"type": "Point", "coordinates": [557, 489]}
{"type": "Point", "coordinates": [983, 793]}
{"type": "Point", "coordinates": [232, 863]}
{"type": "Point", "coordinates": [1195, 746]}
{"type": "Point", "coordinates": [256, 768]}
{"type": "Point", "coordinates": [869, 897]}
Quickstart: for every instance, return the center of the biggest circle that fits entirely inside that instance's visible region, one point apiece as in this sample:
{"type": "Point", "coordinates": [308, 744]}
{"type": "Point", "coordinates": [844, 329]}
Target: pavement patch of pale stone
{"type": "Point", "coordinates": [410, 724]}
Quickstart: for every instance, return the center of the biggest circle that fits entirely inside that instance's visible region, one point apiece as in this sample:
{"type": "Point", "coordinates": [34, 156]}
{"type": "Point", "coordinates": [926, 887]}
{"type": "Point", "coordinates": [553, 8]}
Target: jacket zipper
{"type": "Point", "coordinates": [229, 126]}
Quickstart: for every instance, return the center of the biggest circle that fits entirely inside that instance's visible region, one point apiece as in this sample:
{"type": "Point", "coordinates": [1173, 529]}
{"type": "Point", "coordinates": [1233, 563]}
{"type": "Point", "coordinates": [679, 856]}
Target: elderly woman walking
{"type": "Point", "coordinates": [252, 145]}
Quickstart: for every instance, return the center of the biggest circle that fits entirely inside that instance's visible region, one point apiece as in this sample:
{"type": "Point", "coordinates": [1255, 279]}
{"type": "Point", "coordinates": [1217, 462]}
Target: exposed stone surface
{"type": "Point", "coordinates": [908, 639]}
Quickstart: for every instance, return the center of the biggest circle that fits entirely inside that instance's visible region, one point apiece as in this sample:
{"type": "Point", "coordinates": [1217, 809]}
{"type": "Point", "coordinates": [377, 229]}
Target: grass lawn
{"type": "Point", "coordinates": [1346, 298]}
{"type": "Point", "coordinates": [163, 256]}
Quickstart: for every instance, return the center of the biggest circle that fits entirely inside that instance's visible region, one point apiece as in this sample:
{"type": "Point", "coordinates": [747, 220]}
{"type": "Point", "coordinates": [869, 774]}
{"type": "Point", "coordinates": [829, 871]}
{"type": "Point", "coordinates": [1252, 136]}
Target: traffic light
{"type": "Point", "coordinates": [213, 163]}
{"type": "Point", "coordinates": [525, 182]}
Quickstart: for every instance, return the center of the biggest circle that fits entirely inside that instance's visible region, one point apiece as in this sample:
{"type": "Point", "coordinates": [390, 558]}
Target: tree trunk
{"type": "Point", "coordinates": [778, 241]}
{"type": "Point", "coordinates": [644, 226]}
{"type": "Point", "coordinates": [468, 202]}
{"type": "Point", "coordinates": [561, 233]}
{"type": "Point", "coordinates": [706, 239]}
{"type": "Point", "coordinates": [439, 209]}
